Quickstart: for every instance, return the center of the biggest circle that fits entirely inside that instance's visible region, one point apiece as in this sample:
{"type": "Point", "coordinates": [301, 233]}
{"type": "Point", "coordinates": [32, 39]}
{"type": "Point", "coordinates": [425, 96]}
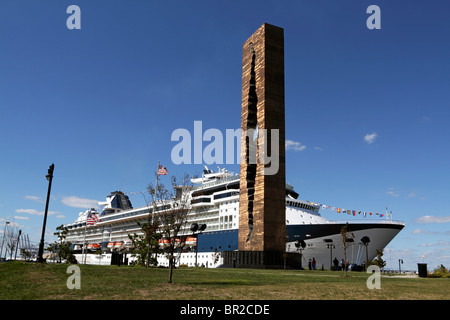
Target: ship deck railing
{"type": "Point", "coordinates": [367, 221]}
{"type": "Point", "coordinates": [215, 182]}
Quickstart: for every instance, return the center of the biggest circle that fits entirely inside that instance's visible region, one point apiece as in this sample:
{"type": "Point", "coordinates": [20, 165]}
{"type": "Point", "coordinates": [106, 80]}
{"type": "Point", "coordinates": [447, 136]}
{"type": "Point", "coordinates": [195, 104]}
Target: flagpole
{"type": "Point", "coordinates": [157, 176]}
{"type": "Point", "coordinates": [83, 256]}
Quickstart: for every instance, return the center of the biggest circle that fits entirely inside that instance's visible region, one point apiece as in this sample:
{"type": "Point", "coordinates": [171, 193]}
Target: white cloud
{"type": "Point", "coordinates": [74, 201]}
{"type": "Point", "coordinates": [35, 212]}
{"type": "Point", "coordinates": [34, 198]}
{"type": "Point", "coordinates": [421, 231]}
{"type": "Point", "coordinates": [30, 211]}
{"type": "Point", "coordinates": [436, 244]}
{"type": "Point", "coordinates": [426, 119]}
{"type": "Point", "coordinates": [318, 148]}
{"type": "Point", "coordinates": [294, 145]}
{"type": "Point", "coordinates": [370, 138]}
{"type": "Point", "coordinates": [392, 192]}
{"type": "Point", "coordinates": [21, 218]}
{"type": "Point", "coordinates": [426, 245]}
{"type": "Point", "coordinates": [432, 219]}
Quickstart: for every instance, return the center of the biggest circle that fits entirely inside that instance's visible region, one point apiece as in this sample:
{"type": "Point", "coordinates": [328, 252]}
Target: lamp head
{"type": "Point", "coordinates": [50, 172]}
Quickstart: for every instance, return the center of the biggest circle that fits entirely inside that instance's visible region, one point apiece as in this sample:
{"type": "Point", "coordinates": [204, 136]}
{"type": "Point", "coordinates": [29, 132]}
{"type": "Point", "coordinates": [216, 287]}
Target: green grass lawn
{"type": "Point", "coordinates": [32, 281]}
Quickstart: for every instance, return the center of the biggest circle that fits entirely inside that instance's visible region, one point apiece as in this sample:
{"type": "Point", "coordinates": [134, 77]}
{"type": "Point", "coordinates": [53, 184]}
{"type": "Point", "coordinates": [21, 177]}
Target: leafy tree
{"type": "Point", "coordinates": [347, 239]}
{"type": "Point", "coordinates": [10, 236]}
{"type": "Point", "coordinates": [146, 245]}
{"type": "Point", "coordinates": [26, 254]}
{"type": "Point", "coordinates": [378, 261]}
{"type": "Point", "coordinates": [171, 208]}
{"type": "Point", "coordinates": [61, 247]}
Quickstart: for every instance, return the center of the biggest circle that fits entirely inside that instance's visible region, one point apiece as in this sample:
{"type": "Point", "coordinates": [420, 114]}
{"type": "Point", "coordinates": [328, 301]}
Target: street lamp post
{"type": "Point", "coordinates": [49, 177]}
{"type": "Point", "coordinates": [331, 247]}
{"type": "Point", "coordinates": [17, 244]}
{"type": "Point", "coordinates": [366, 240]}
{"type": "Point", "coordinates": [194, 228]}
{"type": "Point", "coordinates": [300, 245]}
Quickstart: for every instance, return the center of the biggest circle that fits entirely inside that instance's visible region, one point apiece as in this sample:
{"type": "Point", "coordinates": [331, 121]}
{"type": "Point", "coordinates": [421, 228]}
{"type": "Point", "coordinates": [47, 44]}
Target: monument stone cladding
{"type": "Point", "coordinates": [262, 217]}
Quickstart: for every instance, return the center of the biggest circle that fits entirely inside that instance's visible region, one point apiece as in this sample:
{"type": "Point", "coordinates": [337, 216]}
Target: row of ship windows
{"type": "Point", "coordinates": [199, 256]}
{"type": "Point", "coordinates": [129, 214]}
{"type": "Point", "coordinates": [216, 197]}
{"type": "Point", "coordinates": [300, 205]}
{"type": "Point", "coordinates": [104, 219]}
{"type": "Point", "coordinates": [226, 222]}
{"type": "Point", "coordinates": [212, 220]}
{"type": "Point", "coordinates": [210, 228]}
{"type": "Point", "coordinates": [231, 202]}
{"type": "Point", "coordinates": [202, 215]}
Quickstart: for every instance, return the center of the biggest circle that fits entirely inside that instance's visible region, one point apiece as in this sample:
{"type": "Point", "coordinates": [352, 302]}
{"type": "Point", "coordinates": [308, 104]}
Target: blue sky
{"type": "Point", "coordinates": [366, 110]}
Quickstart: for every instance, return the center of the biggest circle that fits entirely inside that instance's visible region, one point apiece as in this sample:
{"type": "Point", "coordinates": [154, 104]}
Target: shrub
{"type": "Point", "coordinates": [440, 272]}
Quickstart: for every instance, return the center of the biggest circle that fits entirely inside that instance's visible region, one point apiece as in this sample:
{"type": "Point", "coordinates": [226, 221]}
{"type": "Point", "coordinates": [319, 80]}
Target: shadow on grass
{"type": "Point", "coordinates": [224, 282]}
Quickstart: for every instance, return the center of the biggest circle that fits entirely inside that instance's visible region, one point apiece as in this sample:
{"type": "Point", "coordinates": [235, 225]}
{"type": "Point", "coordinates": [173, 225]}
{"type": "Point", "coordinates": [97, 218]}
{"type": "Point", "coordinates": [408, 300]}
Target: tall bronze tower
{"type": "Point", "coordinates": [262, 225]}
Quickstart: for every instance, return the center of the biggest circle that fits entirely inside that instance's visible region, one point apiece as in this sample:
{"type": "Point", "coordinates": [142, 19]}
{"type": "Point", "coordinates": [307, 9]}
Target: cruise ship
{"type": "Point", "coordinates": [214, 202]}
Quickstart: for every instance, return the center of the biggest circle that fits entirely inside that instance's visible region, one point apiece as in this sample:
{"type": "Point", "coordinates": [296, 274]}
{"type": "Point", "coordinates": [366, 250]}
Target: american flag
{"type": "Point", "coordinates": [162, 170]}
{"type": "Point", "coordinates": [92, 219]}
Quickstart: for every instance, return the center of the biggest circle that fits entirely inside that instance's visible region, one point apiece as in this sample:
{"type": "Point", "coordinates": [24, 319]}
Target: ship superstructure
{"type": "Point", "coordinates": [214, 202]}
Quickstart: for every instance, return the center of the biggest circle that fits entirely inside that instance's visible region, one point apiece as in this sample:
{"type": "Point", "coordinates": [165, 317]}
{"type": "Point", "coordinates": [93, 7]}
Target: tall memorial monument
{"type": "Point", "coordinates": [262, 218]}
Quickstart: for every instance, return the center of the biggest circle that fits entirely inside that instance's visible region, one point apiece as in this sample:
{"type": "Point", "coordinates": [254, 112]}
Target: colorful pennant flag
{"type": "Point", "coordinates": [348, 211]}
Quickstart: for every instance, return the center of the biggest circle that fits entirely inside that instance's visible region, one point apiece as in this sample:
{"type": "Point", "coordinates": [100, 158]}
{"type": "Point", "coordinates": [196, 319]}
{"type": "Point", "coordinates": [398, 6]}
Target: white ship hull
{"type": "Point", "coordinates": [324, 249]}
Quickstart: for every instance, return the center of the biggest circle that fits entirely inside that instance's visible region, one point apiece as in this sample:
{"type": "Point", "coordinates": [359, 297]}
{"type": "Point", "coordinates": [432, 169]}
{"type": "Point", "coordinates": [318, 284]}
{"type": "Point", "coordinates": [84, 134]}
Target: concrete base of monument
{"type": "Point", "coordinates": [261, 260]}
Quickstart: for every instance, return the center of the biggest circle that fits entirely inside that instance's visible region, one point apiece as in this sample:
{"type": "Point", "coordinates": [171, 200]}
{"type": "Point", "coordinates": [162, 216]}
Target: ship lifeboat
{"type": "Point", "coordinates": [163, 242]}
{"type": "Point", "coordinates": [128, 243]}
{"type": "Point", "coordinates": [191, 241]}
{"type": "Point", "coordinates": [110, 245]}
{"type": "Point", "coordinates": [118, 244]}
{"type": "Point", "coordinates": [93, 246]}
